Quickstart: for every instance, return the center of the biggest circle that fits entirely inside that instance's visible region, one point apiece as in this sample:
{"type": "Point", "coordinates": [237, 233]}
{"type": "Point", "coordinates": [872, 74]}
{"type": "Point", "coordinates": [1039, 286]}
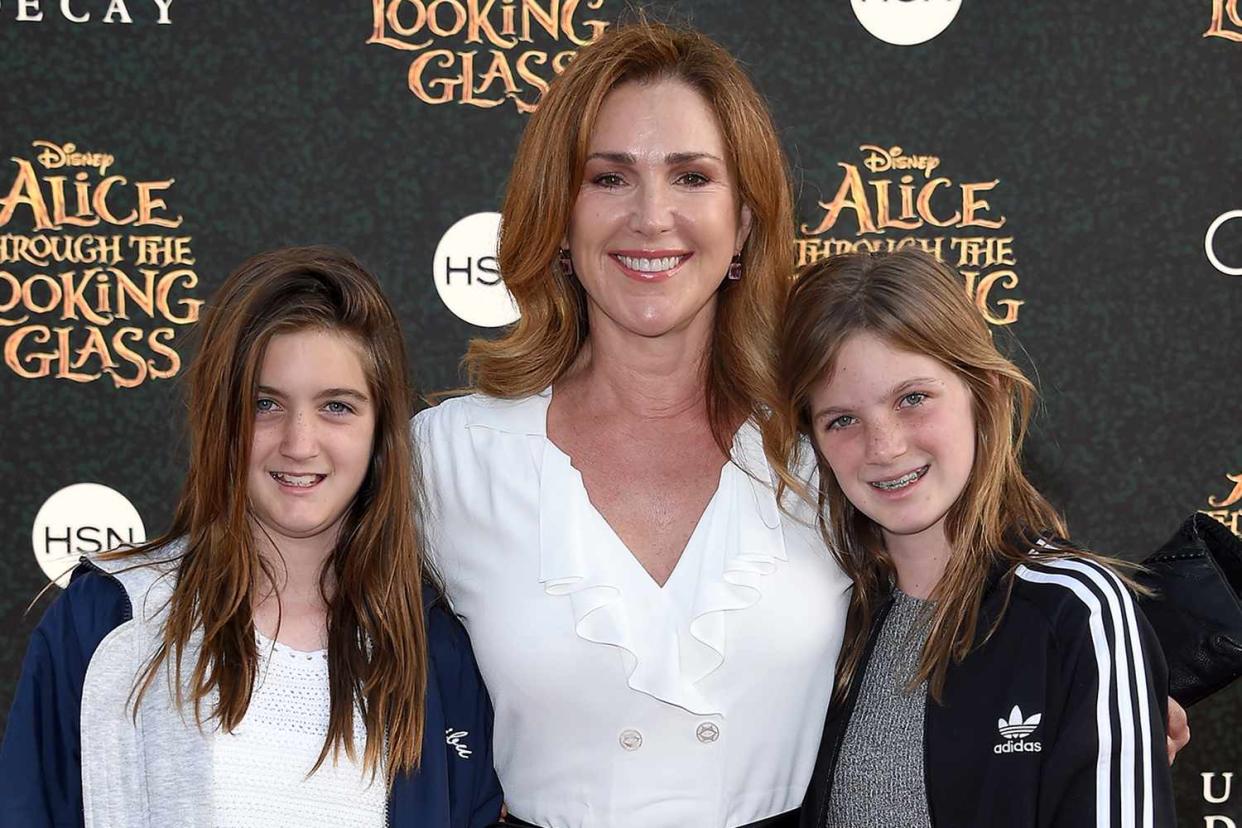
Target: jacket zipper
{"type": "Point", "coordinates": [927, 708]}
{"type": "Point", "coordinates": [850, 700]}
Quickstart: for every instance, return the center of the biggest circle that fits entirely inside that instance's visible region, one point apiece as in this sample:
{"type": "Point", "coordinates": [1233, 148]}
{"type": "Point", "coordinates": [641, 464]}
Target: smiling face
{"type": "Point", "coordinates": [657, 218]}
{"type": "Point", "coordinates": [314, 424]}
{"type": "Point", "coordinates": [898, 430]}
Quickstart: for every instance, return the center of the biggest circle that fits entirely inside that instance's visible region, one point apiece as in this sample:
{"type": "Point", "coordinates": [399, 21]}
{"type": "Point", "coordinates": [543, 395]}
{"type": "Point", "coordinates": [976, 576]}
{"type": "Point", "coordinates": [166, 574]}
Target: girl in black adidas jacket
{"type": "Point", "coordinates": [990, 676]}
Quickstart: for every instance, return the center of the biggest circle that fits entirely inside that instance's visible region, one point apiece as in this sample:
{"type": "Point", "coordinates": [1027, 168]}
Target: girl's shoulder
{"type": "Point", "coordinates": [103, 593]}
{"type": "Point", "coordinates": [86, 611]}
{"type": "Point", "coordinates": [1071, 591]}
{"type": "Point", "coordinates": [147, 576]}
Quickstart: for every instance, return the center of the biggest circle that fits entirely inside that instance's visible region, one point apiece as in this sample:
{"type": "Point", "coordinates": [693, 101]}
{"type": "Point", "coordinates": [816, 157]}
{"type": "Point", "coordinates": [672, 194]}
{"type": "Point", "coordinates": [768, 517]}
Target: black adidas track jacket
{"type": "Point", "coordinates": [1057, 721]}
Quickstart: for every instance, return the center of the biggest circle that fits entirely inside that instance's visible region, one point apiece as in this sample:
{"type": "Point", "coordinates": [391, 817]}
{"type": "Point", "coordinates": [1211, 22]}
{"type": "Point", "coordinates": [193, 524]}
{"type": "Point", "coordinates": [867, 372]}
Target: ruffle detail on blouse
{"type": "Point", "coordinates": [669, 644]}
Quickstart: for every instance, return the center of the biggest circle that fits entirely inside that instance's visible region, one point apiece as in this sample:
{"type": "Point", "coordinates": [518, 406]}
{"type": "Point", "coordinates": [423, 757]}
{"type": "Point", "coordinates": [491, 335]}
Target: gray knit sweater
{"type": "Point", "coordinates": [879, 775]}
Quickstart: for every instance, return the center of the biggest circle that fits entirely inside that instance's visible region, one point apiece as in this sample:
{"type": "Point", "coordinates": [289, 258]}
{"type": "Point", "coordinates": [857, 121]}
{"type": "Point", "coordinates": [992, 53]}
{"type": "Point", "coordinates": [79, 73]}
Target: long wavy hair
{"type": "Point", "coordinates": [547, 173]}
{"type": "Point", "coordinates": [371, 583]}
{"type": "Point", "coordinates": [914, 302]}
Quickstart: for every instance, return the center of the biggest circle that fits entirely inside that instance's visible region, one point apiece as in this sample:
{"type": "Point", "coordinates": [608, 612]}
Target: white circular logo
{"type": "Point", "coordinates": [82, 519]}
{"type": "Point", "coordinates": [905, 22]}
{"type": "Point", "coordinates": [467, 276]}
{"type": "Point", "coordinates": [1210, 238]}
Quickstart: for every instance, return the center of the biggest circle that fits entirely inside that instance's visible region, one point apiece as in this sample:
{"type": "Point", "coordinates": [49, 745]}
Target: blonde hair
{"type": "Point", "coordinates": [547, 172]}
{"type": "Point", "coordinates": [914, 302]}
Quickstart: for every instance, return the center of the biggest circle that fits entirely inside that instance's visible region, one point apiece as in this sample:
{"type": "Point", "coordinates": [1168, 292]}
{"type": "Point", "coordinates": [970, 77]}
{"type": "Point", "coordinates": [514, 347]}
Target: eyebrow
{"type": "Point", "coordinates": [897, 389]}
{"type": "Point", "coordinates": [324, 394]}
{"type": "Point", "coordinates": [672, 159]}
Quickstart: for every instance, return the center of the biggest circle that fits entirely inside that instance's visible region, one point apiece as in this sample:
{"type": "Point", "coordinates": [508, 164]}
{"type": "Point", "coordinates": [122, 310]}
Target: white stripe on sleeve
{"type": "Point", "coordinates": [1117, 594]}
{"type": "Point", "coordinates": [1099, 642]}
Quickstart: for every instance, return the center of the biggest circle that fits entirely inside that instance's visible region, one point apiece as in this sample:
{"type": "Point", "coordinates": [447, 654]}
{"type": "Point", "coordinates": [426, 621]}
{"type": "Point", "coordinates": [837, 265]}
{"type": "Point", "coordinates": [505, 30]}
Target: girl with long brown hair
{"type": "Point", "coordinates": [279, 656]}
{"type": "Point", "coordinates": [992, 672]}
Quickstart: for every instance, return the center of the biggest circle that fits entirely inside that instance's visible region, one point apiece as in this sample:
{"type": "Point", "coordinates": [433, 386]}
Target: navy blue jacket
{"type": "Point", "coordinates": [40, 759]}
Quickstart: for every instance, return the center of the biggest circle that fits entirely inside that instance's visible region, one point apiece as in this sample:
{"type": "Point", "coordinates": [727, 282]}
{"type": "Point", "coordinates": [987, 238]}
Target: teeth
{"type": "Point", "coordinates": [304, 481]}
{"type": "Point", "coordinates": [900, 482]}
{"type": "Point", "coordinates": [651, 265]}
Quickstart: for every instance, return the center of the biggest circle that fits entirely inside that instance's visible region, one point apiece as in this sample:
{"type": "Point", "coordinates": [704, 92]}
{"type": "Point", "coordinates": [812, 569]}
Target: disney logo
{"type": "Point", "coordinates": [55, 156]}
{"type": "Point", "coordinates": [894, 158]}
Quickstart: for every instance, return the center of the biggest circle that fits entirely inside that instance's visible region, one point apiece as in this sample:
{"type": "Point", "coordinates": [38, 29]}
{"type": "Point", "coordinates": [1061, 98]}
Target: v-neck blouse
{"type": "Point", "coordinates": [620, 702]}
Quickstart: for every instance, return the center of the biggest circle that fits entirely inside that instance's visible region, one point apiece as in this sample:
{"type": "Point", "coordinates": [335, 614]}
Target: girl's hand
{"type": "Point", "coordinates": [1178, 735]}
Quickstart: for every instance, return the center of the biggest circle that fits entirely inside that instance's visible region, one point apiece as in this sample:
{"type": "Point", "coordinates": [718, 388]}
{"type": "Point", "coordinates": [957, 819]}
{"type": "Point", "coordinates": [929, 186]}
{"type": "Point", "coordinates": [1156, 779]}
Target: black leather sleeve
{"type": "Point", "coordinates": [1196, 611]}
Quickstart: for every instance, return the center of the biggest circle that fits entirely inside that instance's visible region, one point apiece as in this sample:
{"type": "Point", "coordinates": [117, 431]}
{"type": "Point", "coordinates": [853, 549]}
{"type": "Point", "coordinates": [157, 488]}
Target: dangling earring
{"type": "Point", "coordinates": [566, 263]}
{"type": "Point", "coordinates": [734, 271]}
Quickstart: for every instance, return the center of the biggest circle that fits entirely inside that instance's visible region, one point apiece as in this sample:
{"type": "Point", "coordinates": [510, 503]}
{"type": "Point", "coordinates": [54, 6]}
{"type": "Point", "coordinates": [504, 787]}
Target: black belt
{"type": "Point", "coordinates": [789, 819]}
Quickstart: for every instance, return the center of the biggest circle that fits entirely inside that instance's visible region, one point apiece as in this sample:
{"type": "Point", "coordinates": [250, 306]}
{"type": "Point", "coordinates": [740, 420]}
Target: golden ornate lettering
{"type": "Point", "coordinates": [894, 190]}
{"type": "Point", "coordinates": [1225, 11]}
{"type": "Point", "coordinates": [507, 71]}
{"type": "Point", "coordinates": [1231, 498]}
{"type": "Point", "coordinates": [65, 290]}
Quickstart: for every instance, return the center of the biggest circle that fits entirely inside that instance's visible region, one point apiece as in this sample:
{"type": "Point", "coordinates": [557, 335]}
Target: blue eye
{"type": "Point", "coordinates": [840, 422]}
{"type": "Point", "coordinates": [913, 398]}
{"type": "Point", "coordinates": [263, 405]}
{"type": "Point", "coordinates": [338, 407]}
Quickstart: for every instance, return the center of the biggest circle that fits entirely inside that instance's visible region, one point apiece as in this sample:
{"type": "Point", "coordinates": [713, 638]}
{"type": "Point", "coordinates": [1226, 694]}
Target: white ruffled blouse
{"type": "Point", "coordinates": [619, 702]}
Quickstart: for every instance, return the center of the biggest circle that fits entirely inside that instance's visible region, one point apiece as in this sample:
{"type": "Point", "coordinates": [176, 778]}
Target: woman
{"type": "Point", "coordinates": [657, 635]}
{"type": "Point", "coordinates": [990, 675]}
{"type": "Point", "coordinates": [278, 657]}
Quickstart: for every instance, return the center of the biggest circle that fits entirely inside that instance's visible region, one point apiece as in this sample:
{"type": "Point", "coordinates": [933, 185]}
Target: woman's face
{"type": "Point", "coordinates": [657, 218]}
{"type": "Point", "coordinates": [314, 425]}
{"type": "Point", "coordinates": [898, 430]}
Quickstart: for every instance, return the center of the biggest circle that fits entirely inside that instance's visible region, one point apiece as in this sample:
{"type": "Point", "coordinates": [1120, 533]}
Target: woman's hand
{"type": "Point", "coordinates": [1178, 734]}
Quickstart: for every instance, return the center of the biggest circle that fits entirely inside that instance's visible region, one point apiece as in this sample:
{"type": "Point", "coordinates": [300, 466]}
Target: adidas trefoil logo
{"type": "Point", "coordinates": [1017, 727]}
{"type": "Point", "coordinates": [1015, 730]}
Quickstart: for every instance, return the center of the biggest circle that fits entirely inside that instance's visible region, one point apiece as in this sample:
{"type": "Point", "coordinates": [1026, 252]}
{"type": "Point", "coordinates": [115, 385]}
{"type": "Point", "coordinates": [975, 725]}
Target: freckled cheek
{"type": "Point", "coordinates": [926, 427]}
{"type": "Point", "coordinates": [950, 441]}
{"type": "Point", "coordinates": [844, 454]}
{"type": "Point", "coordinates": [266, 437]}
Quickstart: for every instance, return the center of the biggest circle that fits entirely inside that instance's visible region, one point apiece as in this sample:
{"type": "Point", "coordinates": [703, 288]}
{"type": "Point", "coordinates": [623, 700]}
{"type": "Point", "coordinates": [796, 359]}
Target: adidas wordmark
{"type": "Point", "coordinates": [1015, 729]}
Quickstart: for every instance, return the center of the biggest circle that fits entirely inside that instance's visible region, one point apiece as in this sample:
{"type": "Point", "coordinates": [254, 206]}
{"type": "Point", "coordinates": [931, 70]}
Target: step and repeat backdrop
{"type": "Point", "coordinates": [1079, 163]}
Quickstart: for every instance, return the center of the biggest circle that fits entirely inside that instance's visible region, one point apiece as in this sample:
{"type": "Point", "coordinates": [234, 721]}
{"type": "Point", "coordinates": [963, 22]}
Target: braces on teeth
{"type": "Point", "coordinates": [904, 480]}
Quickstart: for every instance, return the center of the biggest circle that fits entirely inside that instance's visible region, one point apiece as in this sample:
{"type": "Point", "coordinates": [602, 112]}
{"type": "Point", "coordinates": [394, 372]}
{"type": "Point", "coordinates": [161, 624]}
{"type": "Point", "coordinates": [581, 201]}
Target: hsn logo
{"type": "Point", "coordinates": [82, 519]}
{"type": "Point", "coordinates": [905, 22]}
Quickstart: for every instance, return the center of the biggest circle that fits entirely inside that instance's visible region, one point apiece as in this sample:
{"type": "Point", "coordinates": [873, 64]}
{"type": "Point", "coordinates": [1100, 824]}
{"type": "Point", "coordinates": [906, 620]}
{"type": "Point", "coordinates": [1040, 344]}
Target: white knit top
{"type": "Point", "coordinates": [259, 771]}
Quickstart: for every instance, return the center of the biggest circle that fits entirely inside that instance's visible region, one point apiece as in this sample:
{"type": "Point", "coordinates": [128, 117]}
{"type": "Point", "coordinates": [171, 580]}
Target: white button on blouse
{"type": "Point", "coordinates": [714, 686]}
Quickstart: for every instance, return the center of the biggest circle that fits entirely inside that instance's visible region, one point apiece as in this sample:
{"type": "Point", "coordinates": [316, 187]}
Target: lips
{"type": "Point", "coordinates": [650, 266]}
{"type": "Point", "coordinates": [297, 481]}
{"type": "Point", "coordinates": [904, 481]}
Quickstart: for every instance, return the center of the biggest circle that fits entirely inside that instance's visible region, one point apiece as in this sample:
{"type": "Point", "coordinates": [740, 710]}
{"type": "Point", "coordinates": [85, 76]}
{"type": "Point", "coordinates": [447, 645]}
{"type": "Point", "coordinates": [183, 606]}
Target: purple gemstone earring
{"type": "Point", "coordinates": [734, 272]}
{"type": "Point", "coordinates": [566, 263]}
